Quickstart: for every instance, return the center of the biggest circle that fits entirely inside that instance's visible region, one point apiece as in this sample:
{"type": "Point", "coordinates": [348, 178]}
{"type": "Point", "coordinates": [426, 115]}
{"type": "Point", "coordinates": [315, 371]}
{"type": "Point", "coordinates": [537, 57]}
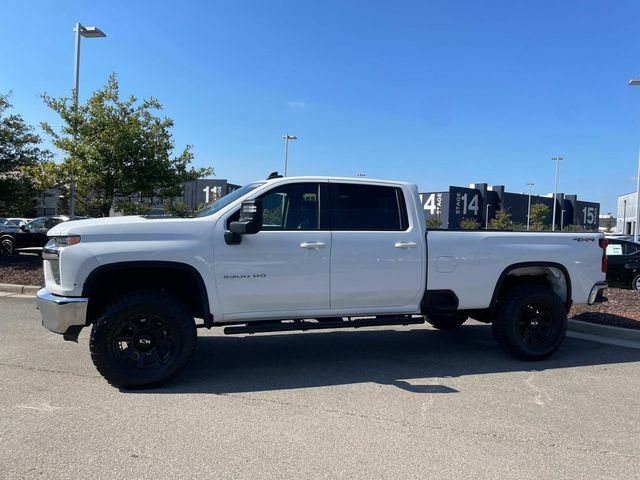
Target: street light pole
{"type": "Point", "coordinates": [87, 32]}
{"type": "Point", "coordinates": [555, 191]}
{"type": "Point", "coordinates": [286, 150]}
{"type": "Point", "coordinates": [529, 207]}
{"type": "Point", "coordinates": [486, 221]}
{"type": "Point", "coordinates": [635, 230]}
{"type": "Point", "coordinates": [634, 82]}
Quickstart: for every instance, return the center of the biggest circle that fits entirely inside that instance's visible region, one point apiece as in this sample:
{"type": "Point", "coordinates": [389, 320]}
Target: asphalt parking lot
{"type": "Point", "coordinates": [399, 403]}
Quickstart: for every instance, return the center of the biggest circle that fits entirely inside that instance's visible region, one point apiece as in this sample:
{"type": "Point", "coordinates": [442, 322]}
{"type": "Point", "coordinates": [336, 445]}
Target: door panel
{"type": "Point", "coordinates": [377, 256]}
{"type": "Point", "coordinates": [274, 271]}
{"type": "Point", "coordinates": [284, 267]}
{"type": "Point", "coordinates": [368, 270]}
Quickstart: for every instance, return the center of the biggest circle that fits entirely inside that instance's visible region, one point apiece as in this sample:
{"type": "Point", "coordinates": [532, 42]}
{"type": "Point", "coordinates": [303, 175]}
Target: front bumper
{"type": "Point", "coordinates": [61, 313]}
{"type": "Point", "coordinates": [595, 291]}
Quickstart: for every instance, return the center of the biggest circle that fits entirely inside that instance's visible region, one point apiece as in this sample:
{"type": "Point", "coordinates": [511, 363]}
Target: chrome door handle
{"type": "Point", "coordinates": [405, 245]}
{"type": "Point", "coordinates": [312, 245]}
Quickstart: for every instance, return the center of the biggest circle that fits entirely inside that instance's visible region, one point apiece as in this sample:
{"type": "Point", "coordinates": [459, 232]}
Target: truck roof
{"type": "Point", "coordinates": [317, 178]}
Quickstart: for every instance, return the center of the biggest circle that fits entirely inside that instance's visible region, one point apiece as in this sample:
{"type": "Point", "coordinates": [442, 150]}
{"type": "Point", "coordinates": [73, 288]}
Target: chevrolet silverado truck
{"type": "Point", "coordinates": [303, 253]}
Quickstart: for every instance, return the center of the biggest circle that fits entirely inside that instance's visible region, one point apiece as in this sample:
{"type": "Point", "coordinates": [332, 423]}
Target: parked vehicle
{"type": "Point", "coordinates": [7, 230]}
{"type": "Point", "coordinates": [29, 237]}
{"type": "Point", "coordinates": [20, 221]}
{"type": "Point", "coordinates": [304, 253]}
{"type": "Point", "coordinates": [623, 268]}
{"type": "Point", "coordinates": [5, 222]}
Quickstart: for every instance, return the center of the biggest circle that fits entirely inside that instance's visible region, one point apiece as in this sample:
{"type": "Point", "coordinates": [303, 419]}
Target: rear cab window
{"type": "Point", "coordinates": [359, 207]}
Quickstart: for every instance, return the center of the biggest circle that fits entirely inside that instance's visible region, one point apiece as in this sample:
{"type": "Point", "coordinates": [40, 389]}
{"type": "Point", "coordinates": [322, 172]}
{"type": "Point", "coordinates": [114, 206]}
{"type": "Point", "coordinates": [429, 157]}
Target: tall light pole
{"type": "Point", "coordinates": [634, 82]}
{"type": "Point", "coordinates": [286, 150]}
{"type": "Point", "coordinates": [486, 221]}
{"type": "Point", "coordinates": [529, 207]}
{"type": "Point", "coordinates": [87, 32]}
{"type": "Point", "coordinates": [555, 191]}
{"type": "Point", "coordinates": [635, 230]}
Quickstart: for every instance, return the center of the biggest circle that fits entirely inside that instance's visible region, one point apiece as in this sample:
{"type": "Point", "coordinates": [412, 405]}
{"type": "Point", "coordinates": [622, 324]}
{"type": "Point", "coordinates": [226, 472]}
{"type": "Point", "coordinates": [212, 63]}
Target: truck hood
{"type": "Point", "coordinates": [125, 226]}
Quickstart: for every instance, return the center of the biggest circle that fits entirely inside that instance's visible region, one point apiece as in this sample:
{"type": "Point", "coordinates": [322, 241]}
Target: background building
{"type": "Point", "coordinates": [195, 194]}
{"type": "Point", "coordinates": [481, 201]}
{"type": "Point", "coordinates": [626, 218]}
{"type": "Point", "coordinates": [206, 190]}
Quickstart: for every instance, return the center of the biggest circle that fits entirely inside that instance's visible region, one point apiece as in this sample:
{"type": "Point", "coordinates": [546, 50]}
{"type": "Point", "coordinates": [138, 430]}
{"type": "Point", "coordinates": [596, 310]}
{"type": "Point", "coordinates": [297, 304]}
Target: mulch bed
{"type": "Point", "coordinates": [21, 270]}
{"type": "Point", "coordinates": [622, 308]}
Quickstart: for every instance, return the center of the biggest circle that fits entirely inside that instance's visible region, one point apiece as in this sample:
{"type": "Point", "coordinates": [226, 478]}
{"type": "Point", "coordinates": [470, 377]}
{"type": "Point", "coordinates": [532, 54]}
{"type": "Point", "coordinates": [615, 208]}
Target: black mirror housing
{"type": "Point", "coordinates": [250, 220]}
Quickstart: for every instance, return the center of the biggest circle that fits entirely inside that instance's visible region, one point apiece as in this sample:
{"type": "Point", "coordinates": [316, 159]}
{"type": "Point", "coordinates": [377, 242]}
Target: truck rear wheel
{"type": "Point", "coordinates": [142, 340]}
{"type": "Point", "coordinates": [530, 322]}
{"type": "Point", "coordinates": [446, 322]}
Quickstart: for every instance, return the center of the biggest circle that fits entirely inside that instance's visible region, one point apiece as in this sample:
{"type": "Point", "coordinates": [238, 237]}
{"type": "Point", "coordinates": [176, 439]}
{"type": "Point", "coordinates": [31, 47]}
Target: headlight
{"type": "Point", "coordinates": [52, 249]}
{"type": "Point", "coordinates": [60, 242]}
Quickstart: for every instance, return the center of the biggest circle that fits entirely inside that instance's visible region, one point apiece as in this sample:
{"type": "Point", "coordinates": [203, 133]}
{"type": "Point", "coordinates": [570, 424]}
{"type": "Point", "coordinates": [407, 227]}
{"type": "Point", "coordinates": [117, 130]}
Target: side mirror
{"type": "Point", "coordinates": [23, 228]}
{"type": "Point", "coordinates": [250, 222]}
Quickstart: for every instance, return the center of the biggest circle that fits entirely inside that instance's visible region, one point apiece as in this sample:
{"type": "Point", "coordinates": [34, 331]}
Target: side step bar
{"type": "Point", "coordinates": [304, 325]}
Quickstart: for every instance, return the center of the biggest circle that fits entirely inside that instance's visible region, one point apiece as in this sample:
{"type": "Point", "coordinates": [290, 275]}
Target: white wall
{"type": "Point", "coordinates": [626, 217]}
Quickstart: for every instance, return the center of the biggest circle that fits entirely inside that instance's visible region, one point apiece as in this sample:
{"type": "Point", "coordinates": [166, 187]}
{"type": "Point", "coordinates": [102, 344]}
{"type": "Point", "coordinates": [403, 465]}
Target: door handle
{"type": "Point", "coordinates": [405, 245]}
{"type": "Point", "coordinates": [312, 245]}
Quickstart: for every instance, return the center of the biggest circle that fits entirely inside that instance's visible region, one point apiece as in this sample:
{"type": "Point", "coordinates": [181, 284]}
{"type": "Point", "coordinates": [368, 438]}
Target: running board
{"type": "Point", "coordinates": [304, 325]}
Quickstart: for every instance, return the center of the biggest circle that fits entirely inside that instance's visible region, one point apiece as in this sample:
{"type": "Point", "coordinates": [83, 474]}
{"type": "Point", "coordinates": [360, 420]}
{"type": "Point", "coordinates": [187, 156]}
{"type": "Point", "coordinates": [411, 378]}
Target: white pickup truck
{"type": "Point", "coordinates": [303, 253]}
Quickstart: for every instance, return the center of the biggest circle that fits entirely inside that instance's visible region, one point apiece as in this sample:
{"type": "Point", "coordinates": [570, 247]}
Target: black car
{"type": "Point", "coordinates": [623, 263]}
{"type": "Point", "coordinates": [29, 237]}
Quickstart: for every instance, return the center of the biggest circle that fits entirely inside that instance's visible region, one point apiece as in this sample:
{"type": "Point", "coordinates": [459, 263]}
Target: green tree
{"type": "Point", "coordinates": [19, 150]}
{"type": "Point", "coordinates": [118, 151]}
{"type": "Point", "coordinates": [179, 209]}
{"type": "Point", "coordinates": [609, 223]}
{"type": "Point", "coordinates": [539, 213]}
{"type": "Point", "coordinates": [502, 220]}
{"type": "Point", "coordinates": [433, 223]}
{"type": "Point", "coordinates": [469, 224]}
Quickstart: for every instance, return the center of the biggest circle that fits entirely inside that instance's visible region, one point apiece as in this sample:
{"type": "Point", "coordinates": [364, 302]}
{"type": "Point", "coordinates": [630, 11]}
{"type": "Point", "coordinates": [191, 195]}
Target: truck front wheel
{"type": "Point", "coordinates": [142, 340]}
{"type": "Point", "coordinates": [530, 322]}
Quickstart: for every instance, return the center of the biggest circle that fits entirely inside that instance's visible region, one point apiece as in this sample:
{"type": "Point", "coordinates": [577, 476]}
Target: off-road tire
{"type": "Point", "coordinates": [530, 322]}
{"type": "Point", "coordinates": [446, 322]}
{"type": "Point", "coordinates": [142, 340]}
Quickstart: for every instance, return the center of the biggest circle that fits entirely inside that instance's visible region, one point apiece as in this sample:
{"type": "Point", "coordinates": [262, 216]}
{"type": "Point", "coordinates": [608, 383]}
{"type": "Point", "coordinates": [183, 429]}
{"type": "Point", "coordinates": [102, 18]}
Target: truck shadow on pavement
{"type": "Point", "coordinates": [418, 360]}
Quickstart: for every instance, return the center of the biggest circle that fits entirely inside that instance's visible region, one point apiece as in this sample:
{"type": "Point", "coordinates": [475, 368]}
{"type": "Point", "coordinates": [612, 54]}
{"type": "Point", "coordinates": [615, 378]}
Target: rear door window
{"type": "Point", "coordinates": [368, 207]}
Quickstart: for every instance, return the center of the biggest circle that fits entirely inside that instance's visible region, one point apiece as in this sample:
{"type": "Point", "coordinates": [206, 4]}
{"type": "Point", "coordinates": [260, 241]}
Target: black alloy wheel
{"type": "Point", "coordinates": [530, 322]}
{"type": "Point", "coordinates": [536, 325]}
{"type": "Point", "coordinates": [142, 340]}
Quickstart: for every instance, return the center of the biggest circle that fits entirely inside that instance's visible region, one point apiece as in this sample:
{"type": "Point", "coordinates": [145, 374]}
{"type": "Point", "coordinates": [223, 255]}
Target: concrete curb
{"type": "Point", "coordinates": [19, 289]}
{"type": "Point", "coordinates": [625, 337]}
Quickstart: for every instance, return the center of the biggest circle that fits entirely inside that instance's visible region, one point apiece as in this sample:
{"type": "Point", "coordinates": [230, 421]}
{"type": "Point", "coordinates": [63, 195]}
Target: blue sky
{"type": "Point", "coordinates": [435, 92]}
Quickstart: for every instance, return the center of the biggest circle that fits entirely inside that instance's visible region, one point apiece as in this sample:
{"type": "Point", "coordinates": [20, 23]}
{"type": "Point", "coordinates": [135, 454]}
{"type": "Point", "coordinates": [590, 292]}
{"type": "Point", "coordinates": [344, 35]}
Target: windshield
{"type": "Point", "coordinates": [226, 200]}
